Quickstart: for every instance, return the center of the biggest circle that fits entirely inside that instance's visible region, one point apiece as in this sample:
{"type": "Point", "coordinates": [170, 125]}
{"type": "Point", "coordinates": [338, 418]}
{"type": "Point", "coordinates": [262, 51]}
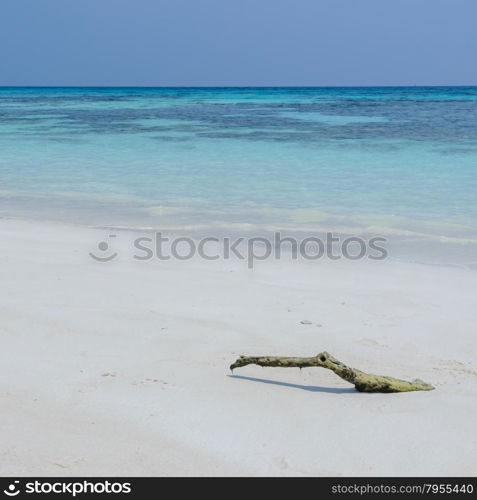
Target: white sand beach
{"type": "Point", "coordinates": [121, 368]}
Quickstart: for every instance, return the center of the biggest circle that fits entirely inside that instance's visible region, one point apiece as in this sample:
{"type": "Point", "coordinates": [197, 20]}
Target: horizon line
{"type": "Point", "coordinates": [235, 86]}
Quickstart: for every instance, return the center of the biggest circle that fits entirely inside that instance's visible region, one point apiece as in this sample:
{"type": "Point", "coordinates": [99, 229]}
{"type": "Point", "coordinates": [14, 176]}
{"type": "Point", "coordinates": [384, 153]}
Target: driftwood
{"type": "Point", "coordinates": [362, 381]}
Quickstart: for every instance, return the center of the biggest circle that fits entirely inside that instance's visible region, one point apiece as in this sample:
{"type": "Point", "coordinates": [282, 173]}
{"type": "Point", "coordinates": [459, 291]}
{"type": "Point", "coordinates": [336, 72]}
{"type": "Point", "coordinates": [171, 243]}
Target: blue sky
{"type": "Point", "coordinates": [246, 42]}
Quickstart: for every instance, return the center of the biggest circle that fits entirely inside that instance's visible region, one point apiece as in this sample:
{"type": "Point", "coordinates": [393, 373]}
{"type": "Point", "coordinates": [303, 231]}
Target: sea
{"type": "Point", "coordinates": [400, 162]}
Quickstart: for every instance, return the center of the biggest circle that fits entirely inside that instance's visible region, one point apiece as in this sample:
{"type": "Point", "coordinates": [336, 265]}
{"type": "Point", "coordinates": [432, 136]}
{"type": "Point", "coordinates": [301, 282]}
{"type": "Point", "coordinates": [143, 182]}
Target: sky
{"type": "Point", "coordinates": [238, 42]}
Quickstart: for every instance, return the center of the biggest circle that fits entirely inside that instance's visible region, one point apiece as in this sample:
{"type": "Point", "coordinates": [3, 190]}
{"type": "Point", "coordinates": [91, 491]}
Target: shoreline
{"type": "Point", "coordinates": [122, 368]}
{"type": "Point", "coordinates": [406, 247]}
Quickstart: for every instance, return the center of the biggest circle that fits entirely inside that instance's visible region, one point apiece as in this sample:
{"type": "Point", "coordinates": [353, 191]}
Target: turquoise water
{"type": "Point", "coordinates": [397, 160]}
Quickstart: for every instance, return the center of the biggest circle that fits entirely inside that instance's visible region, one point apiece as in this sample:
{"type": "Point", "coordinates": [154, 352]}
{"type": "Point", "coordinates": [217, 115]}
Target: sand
{"type": "Point", "coordinates": [121, 368]}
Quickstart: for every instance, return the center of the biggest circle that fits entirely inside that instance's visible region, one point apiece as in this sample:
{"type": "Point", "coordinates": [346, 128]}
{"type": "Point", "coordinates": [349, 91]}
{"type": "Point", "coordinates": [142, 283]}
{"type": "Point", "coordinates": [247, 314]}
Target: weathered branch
{"type": "Point", "coordinates": [362, 381]}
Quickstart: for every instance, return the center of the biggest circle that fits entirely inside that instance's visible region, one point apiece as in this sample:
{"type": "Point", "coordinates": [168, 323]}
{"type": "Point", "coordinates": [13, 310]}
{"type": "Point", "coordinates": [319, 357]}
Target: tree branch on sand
{"type": "Point", "coordinates": [363, 382]}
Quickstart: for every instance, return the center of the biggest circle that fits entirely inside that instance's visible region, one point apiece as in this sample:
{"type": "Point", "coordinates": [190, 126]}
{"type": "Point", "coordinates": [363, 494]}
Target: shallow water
{"type": "Point", "coordinates": [397, 161]}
